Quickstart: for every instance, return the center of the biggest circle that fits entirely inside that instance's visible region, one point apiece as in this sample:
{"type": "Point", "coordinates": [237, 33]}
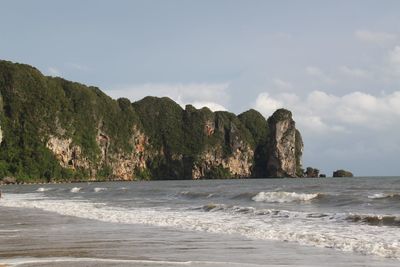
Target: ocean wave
{"type": "Point", "coordinates": [72, 261]}
{"type": "Point", "coordinates": [274, 213]}
{"type": "Point", "coordinates": [99, 189]}
{"type": "Point", "coordinates": [282, 197]}
{"type": "Point", "coordinates": [319, 232]}
{"type": "Point", "coordinates": [376, 220]}
{"type": "Point", "coordinates": [194, 195]}
{"type": "Point", "coordinates": [43, 189]}
{"type": "Point", "coordinates": [75, 189]}
{"type": "Point", "coordinates": [384, 196]}
{"type": "Point", "coordinates": [213, 207]}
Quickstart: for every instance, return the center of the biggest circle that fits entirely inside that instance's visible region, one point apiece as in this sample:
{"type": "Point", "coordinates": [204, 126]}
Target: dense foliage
{"type": "Point", "coordinates": [35, 108]}
{"type": "Point", "coordinates": [258, 128]}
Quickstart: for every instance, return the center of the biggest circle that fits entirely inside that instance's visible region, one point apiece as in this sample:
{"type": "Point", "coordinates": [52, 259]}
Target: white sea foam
{"type": "Point", "coordinates": [9, 231]}
{"type": "Point", "coordinates": [43, 189]}
{"type": "Point", "coordinates": [281, 197]}
{"type": "Point", "coordinates": [316, 231]}
{"type": "Point", "coordinates": [75, 190]}
{"type": "Point", "coordinates": [73, 261]}
{"type": "Point", "coordinates": [99, 189]}
{"type": "Point", "coordinates": [383, 195]}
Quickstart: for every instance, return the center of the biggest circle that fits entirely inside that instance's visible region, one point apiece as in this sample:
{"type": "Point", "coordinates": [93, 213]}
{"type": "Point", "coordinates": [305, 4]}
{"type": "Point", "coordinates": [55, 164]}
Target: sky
{"type": "Point", "coordinates": [334, 64]}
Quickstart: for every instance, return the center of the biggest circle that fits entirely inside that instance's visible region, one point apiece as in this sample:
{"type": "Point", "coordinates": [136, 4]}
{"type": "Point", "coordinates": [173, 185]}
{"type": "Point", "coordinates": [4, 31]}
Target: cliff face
{"type": "Point", "coordinates": [285, 145]}
{"type": "Point", "coordinates": [51, 128]}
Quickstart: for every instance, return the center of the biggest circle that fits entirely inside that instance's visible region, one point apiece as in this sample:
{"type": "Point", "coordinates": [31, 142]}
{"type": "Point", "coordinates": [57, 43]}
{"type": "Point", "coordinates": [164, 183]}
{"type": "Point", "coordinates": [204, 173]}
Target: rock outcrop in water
{"type": "Point", "coordinates": [342, 173]}
{"type": "Point", "coordinates": [56, 129]}
{"type": "Point", "coordinates": [311, 173]}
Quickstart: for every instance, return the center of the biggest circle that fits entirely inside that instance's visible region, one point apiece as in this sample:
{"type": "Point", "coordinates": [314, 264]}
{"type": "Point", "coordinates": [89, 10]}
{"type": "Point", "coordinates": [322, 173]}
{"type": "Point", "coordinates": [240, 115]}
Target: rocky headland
{"type": "Point", "coordinates": [54, 129]}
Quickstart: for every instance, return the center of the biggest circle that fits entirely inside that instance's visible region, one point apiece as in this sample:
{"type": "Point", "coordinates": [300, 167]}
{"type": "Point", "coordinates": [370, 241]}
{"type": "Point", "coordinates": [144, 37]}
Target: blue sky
{"type": "Point", "coordinates": [335, 64]}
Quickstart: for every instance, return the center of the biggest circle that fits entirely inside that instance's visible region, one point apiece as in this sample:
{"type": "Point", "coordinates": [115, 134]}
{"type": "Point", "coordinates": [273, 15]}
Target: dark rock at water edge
{"type": "Point", "coordinates": [9, 180]}
{"type": "Point", "coordinates": [311, 172]}
{"type": "Point", "coordinates": [342, 173]}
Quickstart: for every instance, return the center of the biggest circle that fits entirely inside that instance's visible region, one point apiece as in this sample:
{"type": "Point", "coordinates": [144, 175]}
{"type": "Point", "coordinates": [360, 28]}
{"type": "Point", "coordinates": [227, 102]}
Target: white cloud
{"type": "Point", "coordinates": [354, 72]}
{"type": "Point", "coordinates": [214, 96]}
{"type": "Point", "coordinates": [319, 74]}
{"type": "Point", "coordinates": [77, 66]}
{"type": "Point", "coordinates": [353, 131]}
{"type": "Point", "coordinates": [282, 84]}
{"type": "Point", "coordinates": [395, 55]}
{"type": "Point", "coordinates": [52, 71]}
{"type": "Point", "coordinates": [284, 36]}
{"type": "Point", "coordinates": [266, 104]}
{"type": "Point", "coordinates": [394, 59]}
{"type": "Point", "coordinates": [314, 71]}
{"type": "Point", "coordinates": [320, 100]}
{"type": "Point", "coordinates": [211, 105]}
{"type": "Point", "coordinates": [380, 38]}
{"type": "Point", "coordinates": [322, 113]}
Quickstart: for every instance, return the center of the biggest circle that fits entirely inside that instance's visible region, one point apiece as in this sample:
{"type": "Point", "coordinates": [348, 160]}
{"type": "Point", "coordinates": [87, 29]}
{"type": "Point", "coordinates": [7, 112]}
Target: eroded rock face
{"type": "Point", "coordinates": [103, 141]}
{"type": "Point", "coordinates": [209, 128]}
{"type": "Point", "coordinates": [68, 155]}
{"type": "Point", "coordinates": [237, 164]}
{"type": "Point", "coordinates": [284, 151]}
{"type": "Point", "coordinates": [125, 165]}
{"type": "Point", "coordinates": [285, 148]}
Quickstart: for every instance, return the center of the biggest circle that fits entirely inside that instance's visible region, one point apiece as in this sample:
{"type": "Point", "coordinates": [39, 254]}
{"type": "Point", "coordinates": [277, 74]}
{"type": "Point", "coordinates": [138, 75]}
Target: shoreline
{"type": "Point", "coordinates": [242, 178]}
{"type": "Point", "coordinates": [111, 181]}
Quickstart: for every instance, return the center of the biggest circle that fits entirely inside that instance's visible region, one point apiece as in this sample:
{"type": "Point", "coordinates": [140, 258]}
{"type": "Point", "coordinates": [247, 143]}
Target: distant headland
{"type": "Point", "coordinates": [57, 130]}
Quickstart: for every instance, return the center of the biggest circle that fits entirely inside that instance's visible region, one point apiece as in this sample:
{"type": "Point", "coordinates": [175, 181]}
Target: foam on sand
{"type": "Point", "coordinates": [319, 231]}
{"type": "Point", "coordinates": [93, 261]}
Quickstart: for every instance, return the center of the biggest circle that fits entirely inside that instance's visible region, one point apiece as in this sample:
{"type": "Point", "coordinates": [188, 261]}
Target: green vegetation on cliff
{"type": "Point", "coordinates": [258, 128]}
{"type": "Point", "coordinates": [284, 146]}
{"type": "Point", "coordinates": [56, 129]}
{"type": "Point", "coordinates": [36, 107]}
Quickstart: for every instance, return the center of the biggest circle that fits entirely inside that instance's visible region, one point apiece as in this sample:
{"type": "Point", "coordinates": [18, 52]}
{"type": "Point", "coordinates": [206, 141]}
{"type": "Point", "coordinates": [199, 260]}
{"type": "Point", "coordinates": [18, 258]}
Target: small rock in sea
{"type": "Point", "coordinates": [311, 172]}
{"type": "Point", "coordinates": [342, 173]}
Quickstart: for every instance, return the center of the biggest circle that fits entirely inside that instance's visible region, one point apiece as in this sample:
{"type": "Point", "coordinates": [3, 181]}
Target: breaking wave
{"type": "Point", "coordinates": [43, 189]}
{"type": "Point", "coordinates": [99, 189]}
{"type": "Point", "coordinates": [282, 197]}
{"type": "Point", "coordinates": [320, 230]}
{"type": "Point", "coordinates": [75, 189]}
{"type": "Point", "coordinates": [384, 196]}
{"type": "Point", "coordinates": [376, 220]}
{"type": "Point", "coordinates": [194, 195]}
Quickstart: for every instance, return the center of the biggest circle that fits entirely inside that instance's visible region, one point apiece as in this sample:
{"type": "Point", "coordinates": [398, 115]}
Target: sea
{"type": "Point", "coordinates": [240, 222]}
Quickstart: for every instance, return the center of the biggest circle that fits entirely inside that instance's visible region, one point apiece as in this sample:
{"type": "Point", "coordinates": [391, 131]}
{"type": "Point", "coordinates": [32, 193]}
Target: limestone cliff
{"type": "Point", "coordinates": [214, 163]}
{"type": "Point", "coordinates": [284, 146]}
{"type": "Point", "coordinates": [53, 129]}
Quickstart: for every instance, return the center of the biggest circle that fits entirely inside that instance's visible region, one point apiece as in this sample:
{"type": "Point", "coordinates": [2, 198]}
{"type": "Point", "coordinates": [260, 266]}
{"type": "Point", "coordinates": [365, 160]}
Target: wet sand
{"type": "Point", "coordinates": [32, 237]}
